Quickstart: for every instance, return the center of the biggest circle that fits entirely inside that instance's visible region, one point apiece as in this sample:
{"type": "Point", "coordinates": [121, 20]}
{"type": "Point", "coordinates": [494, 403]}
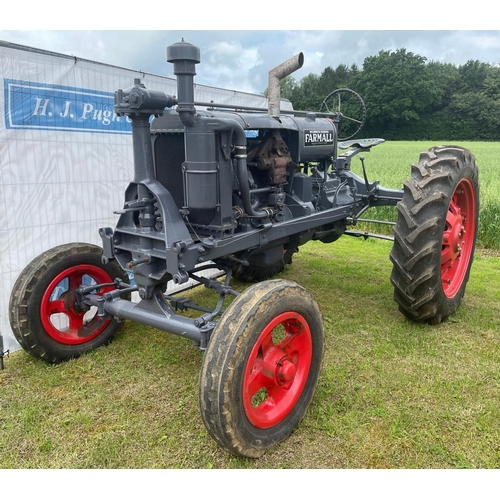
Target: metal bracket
{"type": "Point", "coordinates": [366, 235]}
{"type": "Point", "coordinates": [106, 234]}
{"type": "Point", "coordinates": [2, 354]}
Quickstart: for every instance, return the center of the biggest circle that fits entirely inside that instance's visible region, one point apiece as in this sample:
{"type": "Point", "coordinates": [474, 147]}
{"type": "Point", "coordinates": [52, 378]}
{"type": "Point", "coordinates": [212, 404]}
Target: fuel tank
{"type": "Point", "coordinates": [309, 138]}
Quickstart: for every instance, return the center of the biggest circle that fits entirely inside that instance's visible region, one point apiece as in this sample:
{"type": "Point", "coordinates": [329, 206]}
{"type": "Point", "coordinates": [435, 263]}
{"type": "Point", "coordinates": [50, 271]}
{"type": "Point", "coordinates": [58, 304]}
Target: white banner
{"type": "Point", "coordinates": [65, 157]}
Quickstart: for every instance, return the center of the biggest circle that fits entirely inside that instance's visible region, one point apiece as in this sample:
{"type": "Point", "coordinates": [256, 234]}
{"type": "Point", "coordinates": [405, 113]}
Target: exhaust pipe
{"type": "Point", "coordinates": [275, 76]}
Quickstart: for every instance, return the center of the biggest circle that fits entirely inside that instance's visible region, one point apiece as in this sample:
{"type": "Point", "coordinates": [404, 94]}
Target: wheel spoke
{"type": "Point", "coordinates": [257, 379]}
{"type": "Point", "coordinates": [453, 215]}
{"type": "Point", "coordinates": [446, 257]}
{"type": "Point", "coordinates": [75, 279]}
{"type": "Point", "coordinates": [278, 393]}
{"type": "Point", "coordinates": [291, 344]}
{"type": "Point", "coordinates": [56, 306]}
{"type": "Point", "coordinates": [351, 119]}
{"type": "Point", "coordinates": [293, 341]}
{"type": "Point", "coordinates": [75, 323]}
{"type": "Point", "coordinates": [266, 344]}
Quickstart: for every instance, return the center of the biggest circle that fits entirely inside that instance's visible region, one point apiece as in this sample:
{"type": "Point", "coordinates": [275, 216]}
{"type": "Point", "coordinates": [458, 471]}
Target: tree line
{"type": "Point", "coordinates": [410, 98]}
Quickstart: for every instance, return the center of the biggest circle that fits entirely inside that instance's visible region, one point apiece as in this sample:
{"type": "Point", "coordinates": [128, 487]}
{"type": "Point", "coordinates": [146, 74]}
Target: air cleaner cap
{"type": "Point", "coordinates": [183, 51]}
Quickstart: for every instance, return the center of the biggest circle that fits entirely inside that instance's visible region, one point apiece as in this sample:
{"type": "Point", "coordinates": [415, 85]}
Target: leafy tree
{"type": "Point", "coordinates": [445, 79]}
{"type": "Point", "coordinates": [408, 97]}
{"type": "Point", "coordinates": [475, 116]}
{"type": "Point", "coordinates": [397, 89]}
{"type": "Point", "coordinates": [308, 96]}
{"type": "Point", "coordinates": [474, 109]}
{"type": "Point", "coordinates": [332, 79]}
{"type": "Point", "coordinates": [473, 74]}
{"type": "Point", "coordinates": [287, 87]}
{"type": "Point", "coordinates": [491, 83]}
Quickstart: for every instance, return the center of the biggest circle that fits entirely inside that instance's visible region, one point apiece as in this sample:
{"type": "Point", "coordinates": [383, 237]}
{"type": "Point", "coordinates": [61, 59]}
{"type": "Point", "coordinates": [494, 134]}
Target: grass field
{"type": "Point", "coordinates": [392, 394]}
{"type": "Point", "coordinates": [390, 163]}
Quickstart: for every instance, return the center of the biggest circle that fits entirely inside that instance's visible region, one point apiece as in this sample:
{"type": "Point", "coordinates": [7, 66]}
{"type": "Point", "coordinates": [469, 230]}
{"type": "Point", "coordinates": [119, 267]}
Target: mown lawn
{"type": "Point", "coordinates": [392, 394]}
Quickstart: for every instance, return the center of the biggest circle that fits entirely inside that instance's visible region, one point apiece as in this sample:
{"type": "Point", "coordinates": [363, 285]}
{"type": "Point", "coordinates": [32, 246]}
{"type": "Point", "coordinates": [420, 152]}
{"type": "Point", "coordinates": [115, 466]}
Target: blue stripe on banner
{"type": "Point", "coordinates": [42, 106]}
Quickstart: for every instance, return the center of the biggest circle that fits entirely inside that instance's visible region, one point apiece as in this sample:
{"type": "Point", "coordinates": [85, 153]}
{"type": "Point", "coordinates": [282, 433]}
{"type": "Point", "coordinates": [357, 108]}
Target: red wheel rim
{"type": "Point", "coordinates": [61, 317]}
{"type": "Point", "coordinates": [277, 370]}
{"type": "Point", "coordinates": [458, 237]}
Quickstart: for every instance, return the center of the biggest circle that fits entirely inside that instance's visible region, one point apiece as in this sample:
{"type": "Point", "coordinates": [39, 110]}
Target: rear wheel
{"type": "Point", "coordinates": [261, 368]}
{"type": "Point", "coordinates": [435, 235]}
{"type": "Point", "coordinates": [43, 310]}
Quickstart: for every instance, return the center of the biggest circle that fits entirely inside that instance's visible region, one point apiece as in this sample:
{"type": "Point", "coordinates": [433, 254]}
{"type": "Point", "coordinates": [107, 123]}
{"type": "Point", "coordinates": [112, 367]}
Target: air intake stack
{"type": "Point", "coordinates": [184, 57]}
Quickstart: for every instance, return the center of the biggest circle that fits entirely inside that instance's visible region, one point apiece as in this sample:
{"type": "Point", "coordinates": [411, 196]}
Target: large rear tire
{"type": "Point", "coordinates": [43, 311]}
{"type": "Point", "coordinates": [261, 367]}
{"type": "Point", "coordinates": [435, 234]}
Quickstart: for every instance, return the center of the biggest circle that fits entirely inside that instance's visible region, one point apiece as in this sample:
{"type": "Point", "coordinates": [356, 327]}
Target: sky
{"type": "Point", "coordinates": [240, 59]}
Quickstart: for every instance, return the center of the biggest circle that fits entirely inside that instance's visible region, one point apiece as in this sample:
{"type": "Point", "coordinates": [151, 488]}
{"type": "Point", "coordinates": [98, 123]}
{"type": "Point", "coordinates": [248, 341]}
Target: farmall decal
{"type": "Point", "coordinates": [318, 138]}
{"type": "Point", "coordinates": [42, 106]}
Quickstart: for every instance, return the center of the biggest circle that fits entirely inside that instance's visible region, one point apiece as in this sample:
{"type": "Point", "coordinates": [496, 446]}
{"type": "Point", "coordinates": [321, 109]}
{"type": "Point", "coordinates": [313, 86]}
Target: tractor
{"type": "Point", "coordinates": [238, 190]}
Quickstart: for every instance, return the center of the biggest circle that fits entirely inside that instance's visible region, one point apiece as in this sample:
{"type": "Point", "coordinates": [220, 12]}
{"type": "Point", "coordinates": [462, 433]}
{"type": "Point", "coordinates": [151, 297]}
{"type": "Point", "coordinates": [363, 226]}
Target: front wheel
{"type": "Point", "coordinates": [44, 312]}
{"type": "Point", "coordinates": [435, 234]}
{"type": "Point", "coordinates": [261, 368]}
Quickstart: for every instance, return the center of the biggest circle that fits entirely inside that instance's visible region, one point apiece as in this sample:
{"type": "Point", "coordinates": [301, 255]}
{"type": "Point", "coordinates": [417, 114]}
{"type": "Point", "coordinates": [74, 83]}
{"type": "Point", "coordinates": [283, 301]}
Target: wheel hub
{"type": "Point", "coordinates": [285, 371]}
{"type": "Point", "coordinates": [70, 304]}
{"type": "Point", "coordinates": [278, 366]}
{"type": "Point", "coordinates": [455, 237]}
{"type": "Point", "coordinates": [277, 370]}
{"type": "Point", "coordinates": [62, 317]}
{"type": "Point", "coordinates": [456, 251]}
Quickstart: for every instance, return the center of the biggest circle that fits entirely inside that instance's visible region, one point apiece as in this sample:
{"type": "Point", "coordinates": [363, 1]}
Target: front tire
{"type": "Point", "coordinates": [261, 368]}
{"type": "Point", "coordinates": [435, 234]}
{"type": "Point", "coordinates": [43, 312]}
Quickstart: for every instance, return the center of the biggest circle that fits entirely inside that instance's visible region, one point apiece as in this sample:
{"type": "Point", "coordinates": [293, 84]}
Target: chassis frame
{"type": "Point", "coordinates": [153, 310]}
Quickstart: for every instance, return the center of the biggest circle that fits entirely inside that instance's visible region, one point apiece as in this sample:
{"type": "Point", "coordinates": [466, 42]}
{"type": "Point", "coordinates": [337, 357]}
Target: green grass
{"type": "Point", "coordinates": [390, 164]}
{"type": "Point", "coordinates": [392, 394]}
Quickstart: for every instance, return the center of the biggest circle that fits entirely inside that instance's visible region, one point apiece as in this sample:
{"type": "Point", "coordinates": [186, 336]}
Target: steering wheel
{"type": "Point", "coordinates": [348, 105]}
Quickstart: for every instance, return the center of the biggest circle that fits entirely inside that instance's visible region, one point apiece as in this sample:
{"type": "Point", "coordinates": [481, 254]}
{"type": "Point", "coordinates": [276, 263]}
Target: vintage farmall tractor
{"type": "Point", "coordinates": [239, 190]}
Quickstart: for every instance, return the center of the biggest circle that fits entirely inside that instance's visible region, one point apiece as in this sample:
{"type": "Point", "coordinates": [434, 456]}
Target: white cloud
{"type": "Point", "coordinates": [227, 64]}
{"type": "Point", "coordinates": [240, 60]}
